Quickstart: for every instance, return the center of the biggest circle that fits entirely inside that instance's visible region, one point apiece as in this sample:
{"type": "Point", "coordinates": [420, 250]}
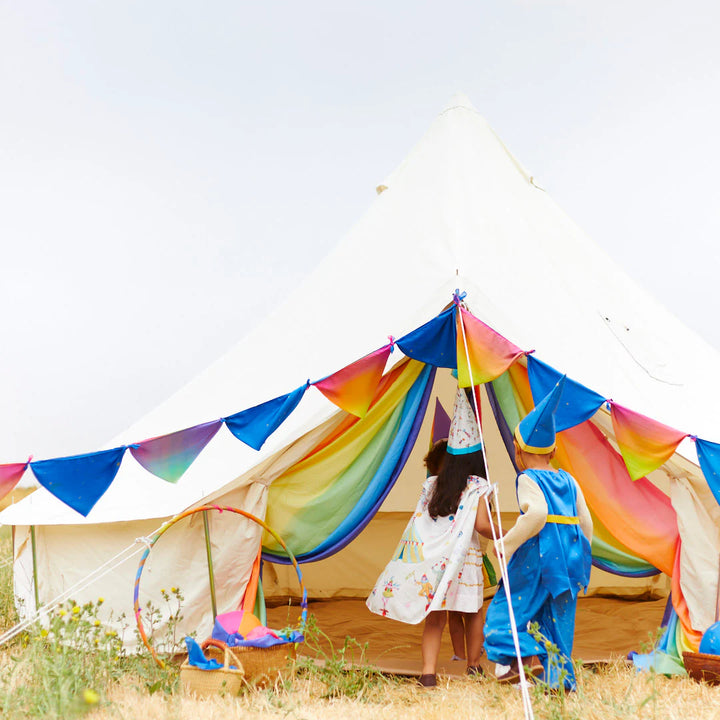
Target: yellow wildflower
{"type": "Point", "coordinates": [90, 696]}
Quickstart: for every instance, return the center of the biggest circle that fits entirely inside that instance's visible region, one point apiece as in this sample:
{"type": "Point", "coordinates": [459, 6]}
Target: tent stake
{"type": "Point", "coordinates": [34, 562]}
{"type": "Point", "coordinates": [211, 572]}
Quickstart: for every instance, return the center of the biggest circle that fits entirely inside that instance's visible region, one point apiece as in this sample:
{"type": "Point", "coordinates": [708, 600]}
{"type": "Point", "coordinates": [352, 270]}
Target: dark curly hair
{"type": "Point", "coordinates": [452, 480]}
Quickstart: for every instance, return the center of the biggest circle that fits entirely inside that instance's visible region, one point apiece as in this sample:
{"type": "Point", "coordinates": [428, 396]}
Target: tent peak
{"type": "Point", "coordinates": [459, 100]}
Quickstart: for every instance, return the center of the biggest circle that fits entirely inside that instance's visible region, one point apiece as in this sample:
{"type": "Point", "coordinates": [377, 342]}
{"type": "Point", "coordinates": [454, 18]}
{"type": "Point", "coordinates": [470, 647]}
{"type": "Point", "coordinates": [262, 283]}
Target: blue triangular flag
{"type": "Point", "coordinates": [577, 403]}
{"type": "Point", "coordinates": [80, 480]}
{"type": "Point", "coordinates": [435, 342]}
{"type": "Point", "coordinates": [256, 424]}
{"type": "Point", "coordinates": [709, 456]}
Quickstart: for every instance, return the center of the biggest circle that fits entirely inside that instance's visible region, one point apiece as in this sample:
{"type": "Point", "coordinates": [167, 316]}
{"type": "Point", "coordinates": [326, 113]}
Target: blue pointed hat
{"type": "Point", "coordinates": [535, 433]}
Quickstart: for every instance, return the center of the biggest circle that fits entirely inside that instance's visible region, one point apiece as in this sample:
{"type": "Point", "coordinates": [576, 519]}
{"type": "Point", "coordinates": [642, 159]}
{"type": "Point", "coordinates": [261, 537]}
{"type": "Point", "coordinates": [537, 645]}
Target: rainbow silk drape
{"type": "Point", "coordinates": [321, 503]}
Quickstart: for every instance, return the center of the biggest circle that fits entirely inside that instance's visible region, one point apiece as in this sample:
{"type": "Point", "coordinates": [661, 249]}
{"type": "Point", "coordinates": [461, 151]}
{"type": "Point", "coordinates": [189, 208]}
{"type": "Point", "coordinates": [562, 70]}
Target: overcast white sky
{"type": "Point", "coordinates": [168, 169]}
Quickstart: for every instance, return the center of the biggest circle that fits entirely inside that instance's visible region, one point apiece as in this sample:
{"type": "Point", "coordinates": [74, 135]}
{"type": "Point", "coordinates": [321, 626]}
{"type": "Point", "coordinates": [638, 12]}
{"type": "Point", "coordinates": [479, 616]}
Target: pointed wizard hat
{"type": "Point", "coordinates": [535, 433]}
{"type": "Point", "coordinates": [464, 436]}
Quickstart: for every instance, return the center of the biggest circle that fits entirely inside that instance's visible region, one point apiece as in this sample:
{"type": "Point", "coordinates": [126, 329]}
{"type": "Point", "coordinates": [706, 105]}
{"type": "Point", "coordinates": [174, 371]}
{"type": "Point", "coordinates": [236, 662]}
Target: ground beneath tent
{"type": "Point", "coordinates": [605, 628]}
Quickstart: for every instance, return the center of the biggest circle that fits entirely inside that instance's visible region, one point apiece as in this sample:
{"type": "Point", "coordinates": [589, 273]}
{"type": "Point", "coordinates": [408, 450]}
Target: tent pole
{"type": "Point", "coordinates": [211, 572]}
{"type": "Point", "coordinates": [34, 562]}
{"type": "Point", "coordinates": [498, 540]}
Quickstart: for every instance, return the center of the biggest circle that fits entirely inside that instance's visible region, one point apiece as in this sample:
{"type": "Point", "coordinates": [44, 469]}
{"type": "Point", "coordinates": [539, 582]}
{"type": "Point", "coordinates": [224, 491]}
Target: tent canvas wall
{"type": "Point", "coordinates": [460, 211]}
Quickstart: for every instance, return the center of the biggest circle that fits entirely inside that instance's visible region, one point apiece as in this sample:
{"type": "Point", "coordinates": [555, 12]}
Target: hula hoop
{"type": "Point", "coordinates": [136, 592]}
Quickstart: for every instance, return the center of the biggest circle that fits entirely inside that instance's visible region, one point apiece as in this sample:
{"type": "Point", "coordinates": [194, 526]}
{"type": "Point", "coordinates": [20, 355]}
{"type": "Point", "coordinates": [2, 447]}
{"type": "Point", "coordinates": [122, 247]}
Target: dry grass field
{"type": "Point", "coordinates": [88, 676]}
{"type": "Point", "coordinates": [611, 692]}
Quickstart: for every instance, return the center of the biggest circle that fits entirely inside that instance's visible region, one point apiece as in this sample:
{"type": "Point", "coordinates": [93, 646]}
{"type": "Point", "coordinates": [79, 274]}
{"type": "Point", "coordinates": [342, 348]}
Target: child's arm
{"type": "Point", "coordinates": [484, 523]}
{"type": "Point", "coordinates": [534, 515]}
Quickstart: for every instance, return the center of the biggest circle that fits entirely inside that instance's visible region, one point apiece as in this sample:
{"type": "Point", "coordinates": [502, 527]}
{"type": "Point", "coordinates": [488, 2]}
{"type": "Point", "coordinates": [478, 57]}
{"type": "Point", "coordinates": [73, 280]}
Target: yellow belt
{"type": "Point", "coordinates": [563, 519]}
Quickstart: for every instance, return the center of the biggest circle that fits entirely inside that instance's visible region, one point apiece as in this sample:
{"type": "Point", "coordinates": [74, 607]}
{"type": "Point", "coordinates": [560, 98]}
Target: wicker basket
{"type": "Point", "coordinates": [703, 667]}
{"type": "Point", "coordinates": [262, 666]}
{"type": "Point", "coordinates": [228, 679]}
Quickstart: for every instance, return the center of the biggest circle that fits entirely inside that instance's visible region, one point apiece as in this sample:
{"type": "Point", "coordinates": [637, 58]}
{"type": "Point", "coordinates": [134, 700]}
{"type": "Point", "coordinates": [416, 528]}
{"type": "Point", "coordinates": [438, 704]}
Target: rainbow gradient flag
{"type": "Point", "coordinates": [645, 444]}
{"type": "Point", "coordinates": [488, 352]}
{"type": "Point", "coordinates": [10, 475]}
{"type": "Point", "coordinates": [353, 388]}
{"type": "Point", "coordinates": [169, 456]}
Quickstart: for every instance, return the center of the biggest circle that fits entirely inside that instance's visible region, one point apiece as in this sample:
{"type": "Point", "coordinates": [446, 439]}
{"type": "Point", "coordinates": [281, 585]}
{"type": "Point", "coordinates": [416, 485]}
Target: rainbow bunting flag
{"type": "Point", "coordinates": [10, 476]}
{"type": "Point", "coordinates": [169, 456]}
{"type": "Point", "coordinates": [353, 388]}
{"type": "Point", "coordinates": [490, 354]}
{"type": "Point", "coordinates": [645, 444]}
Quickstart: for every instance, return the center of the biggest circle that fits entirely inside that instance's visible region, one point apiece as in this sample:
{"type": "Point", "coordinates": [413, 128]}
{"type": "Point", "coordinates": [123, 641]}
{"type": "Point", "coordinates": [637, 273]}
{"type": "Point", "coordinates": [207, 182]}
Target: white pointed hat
{"type": "Point", "coordinates": [464, 436]}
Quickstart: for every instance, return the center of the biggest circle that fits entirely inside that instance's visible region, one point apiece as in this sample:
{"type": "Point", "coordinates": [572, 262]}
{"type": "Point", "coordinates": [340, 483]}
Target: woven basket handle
{"type": "Point", "coordinates": [230, 657]}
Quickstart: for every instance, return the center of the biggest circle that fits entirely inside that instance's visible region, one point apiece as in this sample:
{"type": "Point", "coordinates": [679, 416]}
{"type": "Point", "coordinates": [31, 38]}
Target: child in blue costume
{"type": "Point", "coordinates": [548, 553]}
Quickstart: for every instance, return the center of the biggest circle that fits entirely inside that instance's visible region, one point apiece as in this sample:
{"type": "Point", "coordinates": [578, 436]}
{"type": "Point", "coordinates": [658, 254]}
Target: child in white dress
{"type": "Point", "coordinates": [438, 564]}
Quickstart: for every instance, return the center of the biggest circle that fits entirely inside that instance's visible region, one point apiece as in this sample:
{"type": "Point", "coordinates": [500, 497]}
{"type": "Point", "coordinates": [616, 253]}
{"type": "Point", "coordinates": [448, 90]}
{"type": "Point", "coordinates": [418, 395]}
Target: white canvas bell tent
{"type": "Point", "coordinates": [459, 212]}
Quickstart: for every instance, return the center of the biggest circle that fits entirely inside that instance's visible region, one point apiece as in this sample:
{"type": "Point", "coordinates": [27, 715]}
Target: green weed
{"type": "Point", "coordinates": [63, 668]}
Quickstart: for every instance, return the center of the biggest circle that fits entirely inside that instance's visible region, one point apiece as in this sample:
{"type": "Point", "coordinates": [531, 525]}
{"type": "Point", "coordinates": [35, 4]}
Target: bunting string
{"type": "Point", "coordinates": [453, 339]}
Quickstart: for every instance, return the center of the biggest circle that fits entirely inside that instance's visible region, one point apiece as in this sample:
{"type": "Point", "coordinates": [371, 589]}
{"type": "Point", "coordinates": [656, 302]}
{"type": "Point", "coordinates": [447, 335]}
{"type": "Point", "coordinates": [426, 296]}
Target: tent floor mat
{"type": "Point", "coordinates": [605, 629]}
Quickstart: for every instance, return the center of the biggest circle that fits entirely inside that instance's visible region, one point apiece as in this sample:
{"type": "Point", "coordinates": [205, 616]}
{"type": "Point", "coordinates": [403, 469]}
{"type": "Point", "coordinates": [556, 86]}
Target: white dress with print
{"type": "Point", "coordinates": [438, 563]}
